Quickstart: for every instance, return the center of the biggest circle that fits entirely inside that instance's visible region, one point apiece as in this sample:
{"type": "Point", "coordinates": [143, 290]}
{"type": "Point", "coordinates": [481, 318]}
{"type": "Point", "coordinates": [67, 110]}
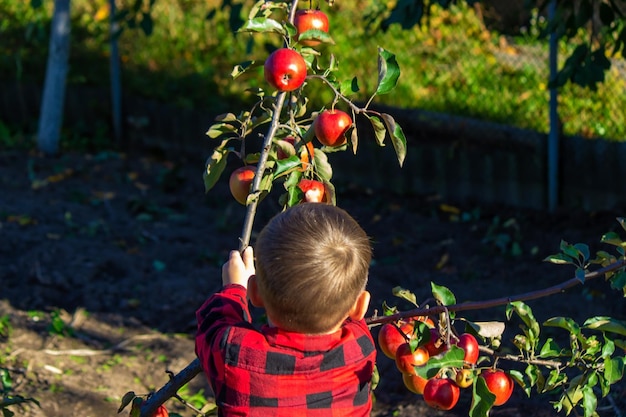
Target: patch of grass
{"type": "Point", "coordinates": [451, 65]}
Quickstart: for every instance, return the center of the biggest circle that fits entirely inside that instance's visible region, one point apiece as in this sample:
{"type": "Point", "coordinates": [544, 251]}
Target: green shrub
{"type": "Point", "coordinates": [451, 64]}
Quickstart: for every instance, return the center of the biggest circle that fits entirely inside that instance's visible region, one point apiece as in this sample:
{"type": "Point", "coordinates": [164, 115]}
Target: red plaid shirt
{"type": "Point", "coordinates": [272, 372]}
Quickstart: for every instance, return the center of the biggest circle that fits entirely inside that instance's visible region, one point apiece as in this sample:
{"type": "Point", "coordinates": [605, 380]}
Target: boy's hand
{"type": "Point", "coordinates": [238, 269]}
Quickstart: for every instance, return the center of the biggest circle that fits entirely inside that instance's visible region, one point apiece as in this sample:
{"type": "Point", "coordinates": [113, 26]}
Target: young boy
{"type": "Point", "coordinates": [316, 356]}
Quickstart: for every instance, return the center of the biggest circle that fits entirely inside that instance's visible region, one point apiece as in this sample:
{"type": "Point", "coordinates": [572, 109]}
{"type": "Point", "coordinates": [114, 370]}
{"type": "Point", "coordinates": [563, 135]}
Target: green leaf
{"type": "Point", "coordinates": [526, 314]}
{"type": "Point", "coordinates": [622, 220]}
{"type": "Point", "coordinates": [243, 67]}
{"type": "Point", "coordinates": [519, 378]}
{"type": "Point", "coordinates": [214, 167]}
{"type": "Point", "coordinates": [555, 379]}
{"type": "Point", "coordinates": [379, 128]}
{"type": "Point", "coordinates": [388, 71]}
{"type": "Point", "coordinates": [453, 358]}
{"type": "Point", "coordinates": [535, 377]}
{"type": "Point", "coordinates": [583, 249]}
{"type": "Point", "coordinates": [606, 324]}
{"type": "Point", "coordinates": [550, 349]}
{"type": "Point", "coordinates": [618, 281]}
{"type": "Point", "coordinates": [398, 140]}
{"type": "Point", "coordinates": [559, 259]}
{"type": "Point", "coordinates": [316, 35]}
{"type": "Point", "coordinates": [349, 87]}
{"type": "Point", "coordinates": [286, 165]}
{"type": "Point", "coordinates": [443, 296]}
{"type": "Point", "coordinates": [590, 402]}
{"type": "Point", "coordinates": [564, 323]}
{"type": "Point", "coordinates": [322, 166]}
{"type": "Point", "coordinates": [569, 250]}
{"type": "Point", "coordinates": [612, 238]}
{"type": "Point", "coordinates": [614, 369]}
{"type": "Point", "coordinates": [218, 129]}
{"type": "Point", "coordinates": [482, 399]}
{"type": "Point", "coordinates": [405, 294]}
{"type": "Point", "coordinates": [126, 399]}
{"type": "Point", "coordinates": [262, 24]}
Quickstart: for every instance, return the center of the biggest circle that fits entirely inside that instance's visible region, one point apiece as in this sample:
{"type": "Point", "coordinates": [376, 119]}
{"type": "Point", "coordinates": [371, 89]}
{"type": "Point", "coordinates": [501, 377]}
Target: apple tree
{"type": "Point", "coordinates": [440, 354]}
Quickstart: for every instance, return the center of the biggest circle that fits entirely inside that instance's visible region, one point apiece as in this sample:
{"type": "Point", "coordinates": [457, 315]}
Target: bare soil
{"type": "Point", "coordinates": [104, 259]}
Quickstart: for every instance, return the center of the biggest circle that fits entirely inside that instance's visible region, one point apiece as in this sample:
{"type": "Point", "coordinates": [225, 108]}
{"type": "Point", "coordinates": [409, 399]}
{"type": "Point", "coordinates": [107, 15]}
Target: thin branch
{"type": "Point", "coordinates": [481, 305]}
{"type": "Point", "coordinates": [194, 368]}
{"type": "Point", "coordinates": [518, 358]}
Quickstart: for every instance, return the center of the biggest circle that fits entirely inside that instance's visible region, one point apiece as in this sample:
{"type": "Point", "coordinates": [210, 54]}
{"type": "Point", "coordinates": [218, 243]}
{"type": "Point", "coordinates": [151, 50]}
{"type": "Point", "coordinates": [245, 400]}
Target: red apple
{"type": "Point", "coordinates": [391, 336]}
{"type": "Point", "coordinates": [314, 191]}
{"type": "Point", "coordinates": [441, 393]}
{"type": "Point", "coordinates": [330, 127]}
{"type": "Point", "coordinates": [469, 344]}
{"type": "Point", "coordinates": [310, 19]}
{"type": "Point", "coordinates": [285, 69]}
{"type": "Point", "coordinates": [407, 359]}
{"type": "Point", "coordinates": [436, 344]}
{"type": "Point", "coordinates": [240, 182]}
{"type": "Point", "coordinates": [414, 383]}
{"type": "Point", "coordinates": [500, 384]}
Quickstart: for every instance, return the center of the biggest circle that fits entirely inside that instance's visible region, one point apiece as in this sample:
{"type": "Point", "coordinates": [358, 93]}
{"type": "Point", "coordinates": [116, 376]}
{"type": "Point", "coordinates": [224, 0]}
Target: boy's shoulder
{"type": "Point", "coordinates": [272, 350]}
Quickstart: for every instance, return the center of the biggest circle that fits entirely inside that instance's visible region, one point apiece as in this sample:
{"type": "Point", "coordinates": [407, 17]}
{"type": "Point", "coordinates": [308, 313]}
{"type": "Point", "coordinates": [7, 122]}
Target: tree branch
{"type": "Point", "coordinates": [481, 305]}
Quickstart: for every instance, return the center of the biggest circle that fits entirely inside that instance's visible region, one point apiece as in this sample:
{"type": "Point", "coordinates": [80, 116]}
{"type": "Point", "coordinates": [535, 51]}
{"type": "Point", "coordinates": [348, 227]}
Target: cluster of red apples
{"type": "Point", "coordinates": [285, 69]}
{"type": "Point", "coordinates": [443, 390]}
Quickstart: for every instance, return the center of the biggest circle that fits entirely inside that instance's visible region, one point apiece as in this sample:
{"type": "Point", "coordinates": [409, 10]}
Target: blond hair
{"type": "Point", "coordinates": [312, 262]}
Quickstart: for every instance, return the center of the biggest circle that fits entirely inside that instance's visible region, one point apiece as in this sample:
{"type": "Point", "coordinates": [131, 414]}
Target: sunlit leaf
{"type": "Point", "coordinates": [606, 324]}
{"type": "Point", "coordinates": [525, 313]}
{"type": "Point", "coordinates": [284, 166]}
{"type": "Point", "coordinates": [243, 67]}
{"type": "Point", "coordinates": [261, 24]}
{"type": "Point", "coordinates": [590, 401]}
{"type": "Point", "coordinates": [559, 259]}
{"type": "Point", "coordinates": [405, 294]}
{"type": "Point", "coordinates": [564, 323]}
{"type": "Point", "coordinates": [612, 238]}
{"type": "Point", "coordinates": [614, 369]}
{"type": "Point", "coordinates": [453, 358]}
{"type": "Point", "coordinates": [482, 399]}
{"type": "Point", "coordinates": [518, 377]}
{"type": "Point", "coordinates": [349, 87]}
{"type": "Point", "coordinates": [388, 71]}
{"type": "Point", "coordinates": [550, 349]}
{"type": "Point", "coordinates": [443, 295]}
{"type": "Point", "coordinates": [379, 128]}
{"type": "Point", "coordinates": [316, 35]}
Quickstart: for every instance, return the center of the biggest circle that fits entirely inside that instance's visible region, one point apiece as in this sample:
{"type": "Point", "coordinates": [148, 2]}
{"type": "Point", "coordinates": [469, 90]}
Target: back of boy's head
{"type": "Point", "coordinates": [312, 262]}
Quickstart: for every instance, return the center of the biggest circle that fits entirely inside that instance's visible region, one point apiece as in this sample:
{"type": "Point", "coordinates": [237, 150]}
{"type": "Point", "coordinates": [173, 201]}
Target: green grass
{"type": "Point", "coordinates": [451, 65]}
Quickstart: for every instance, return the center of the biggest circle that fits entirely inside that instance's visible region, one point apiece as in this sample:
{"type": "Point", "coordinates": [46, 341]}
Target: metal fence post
{"type": "Point", "coordinates": [554, 133]}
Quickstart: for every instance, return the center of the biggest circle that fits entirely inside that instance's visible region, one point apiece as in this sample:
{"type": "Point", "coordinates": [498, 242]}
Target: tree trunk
{"type": "Point", "coordinates": [53, 99]}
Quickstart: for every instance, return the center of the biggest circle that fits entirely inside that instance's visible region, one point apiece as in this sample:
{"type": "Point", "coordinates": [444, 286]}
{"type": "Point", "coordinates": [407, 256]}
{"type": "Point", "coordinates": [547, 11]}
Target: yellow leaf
{"type": "Point", "coordinates": [102, 13]}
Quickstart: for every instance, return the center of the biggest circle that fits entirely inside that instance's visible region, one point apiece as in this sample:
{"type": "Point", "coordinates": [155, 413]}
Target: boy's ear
{"type": "Point", "coordinates": [360, 306]}
{"type": "Point", "coordinates": [253, 292]}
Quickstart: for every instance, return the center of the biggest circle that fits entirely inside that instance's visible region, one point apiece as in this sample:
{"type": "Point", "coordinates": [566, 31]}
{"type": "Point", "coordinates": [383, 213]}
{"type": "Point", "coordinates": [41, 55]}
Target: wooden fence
{"type": "Point", "coordinates": [460, 159]}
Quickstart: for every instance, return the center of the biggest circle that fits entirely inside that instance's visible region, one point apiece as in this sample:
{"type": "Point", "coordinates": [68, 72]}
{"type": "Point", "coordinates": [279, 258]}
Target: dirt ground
{"type": "Point", "coordinates": [104, 259]}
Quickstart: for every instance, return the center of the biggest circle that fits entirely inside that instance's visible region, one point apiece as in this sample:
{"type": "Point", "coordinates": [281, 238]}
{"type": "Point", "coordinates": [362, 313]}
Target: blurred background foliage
{"type": "Point", "coordinates": [482, 65]}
